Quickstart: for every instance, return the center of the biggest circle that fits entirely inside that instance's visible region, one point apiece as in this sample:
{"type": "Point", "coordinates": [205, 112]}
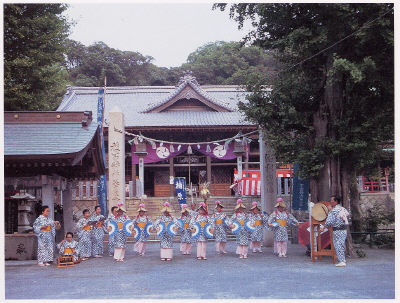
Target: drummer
{"type": "Point", "coordinates": [186, 235]}
{"type": "Point", "coordinates": [201, 218]}
{"type": "Point", "coordinates": [242, 237]}
{"type": "Point", "coordinates": [338, 219]}
{"type": "Point", "coordinates": [141, 221]}
{"type": "Point", "coordinates": [166, 239]}
{"type": "Point", "coordinates": [281, 215]}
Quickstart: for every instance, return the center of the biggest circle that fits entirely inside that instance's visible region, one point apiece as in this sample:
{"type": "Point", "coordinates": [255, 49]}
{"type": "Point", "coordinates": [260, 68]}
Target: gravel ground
{"type": "Point", "coordinates": [261, 276]}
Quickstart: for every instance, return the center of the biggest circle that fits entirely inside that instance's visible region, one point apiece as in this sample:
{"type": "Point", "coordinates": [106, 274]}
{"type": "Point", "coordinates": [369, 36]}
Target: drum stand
{"type": "Point", "coordinates": [65, 261]}
{"type": "Point", "coordinates": [321, 252]}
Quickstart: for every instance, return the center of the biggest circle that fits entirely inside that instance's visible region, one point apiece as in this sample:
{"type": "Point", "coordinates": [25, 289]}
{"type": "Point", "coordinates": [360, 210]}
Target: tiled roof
{"type": "Point", "coordinates": [46, 138]}
{"type": "Point", "coordinates": [134, 101]}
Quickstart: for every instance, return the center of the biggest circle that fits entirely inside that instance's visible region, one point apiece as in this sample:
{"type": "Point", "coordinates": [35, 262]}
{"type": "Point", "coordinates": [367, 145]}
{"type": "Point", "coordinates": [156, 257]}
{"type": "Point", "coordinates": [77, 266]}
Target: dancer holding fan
{"type": "Point", "coordinates": [258, 221]}
{"type": "Point", "coordinates": [206, 225]}
{"type": "Point", "coordinates": [165, 232]}
{"type": "Point", "coordinates": [141, 221]}
{"type": "Point", "coordinates": [220, 226]}
{"type": "Point", "coordinates": [242, 235]}
{"type": "Point", "coordinates": [186, 235]}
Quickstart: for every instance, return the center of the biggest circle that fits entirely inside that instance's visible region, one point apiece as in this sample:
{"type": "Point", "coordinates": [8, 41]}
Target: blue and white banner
{"type": "Point", "coordinates": [102, 189]}
{"type": "Point", "coordinates": [301, 190]}
{"type": "Point", "coordinates": [180, 188]}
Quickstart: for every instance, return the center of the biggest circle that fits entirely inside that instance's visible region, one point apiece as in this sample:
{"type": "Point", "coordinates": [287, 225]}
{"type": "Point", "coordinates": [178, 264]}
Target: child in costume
{"type": "Point", "coordinates": [44, 228]}
{"type": "Point", "coordinates": [85, 236]}
{"type": "Point", "coordinates": [120, 237]}
{"type": "Point", "coordinates": [258, 221]}
{"type": "Point", "coordinates": [141, 220]}
{"type": "Point", "coordinates": [219, 227]}
{"type": "Point", "coordinates": [242, 237]}
{"type": "Point", "coordinates": [166, 240]}
{"type": "Point", "coordinates": [111, 239]}
{"type": "Point", "coordinates": [98, 231]}
{"type": "Point", "coordinates": [186, 235]}
{"type": "Point", "coordinates": [280, 215]}
{"type": "Point", "coordinates": [202, 218]}
{"type": "Point", "coordinates": [69, 247]}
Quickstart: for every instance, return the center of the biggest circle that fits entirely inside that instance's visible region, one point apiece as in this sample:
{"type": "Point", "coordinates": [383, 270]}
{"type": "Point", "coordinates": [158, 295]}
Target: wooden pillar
{"type": "Point", "coordinates": [141, 175]}
{"type": "Point", "coordinates": [48, 198]}
{"type": "Point", "coordinates": [134, 180]}
{"type": "Point", "coordinates": [67, 208]}
{"type": "Point", "coordinates": [209, 169]}
{"type": "Point", "coordinates": [171, 174]}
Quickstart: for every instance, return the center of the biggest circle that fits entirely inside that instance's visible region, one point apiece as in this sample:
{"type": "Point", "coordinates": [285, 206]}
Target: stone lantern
{"type": "Point", "coordinates": [25, 208]}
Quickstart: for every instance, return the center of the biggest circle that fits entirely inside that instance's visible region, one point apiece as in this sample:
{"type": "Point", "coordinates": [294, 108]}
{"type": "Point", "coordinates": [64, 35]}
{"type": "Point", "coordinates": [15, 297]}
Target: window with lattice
{"type": "Point", "coordinates": [221, 175]}
{"type": "Point", "coordinates": [161, 176]}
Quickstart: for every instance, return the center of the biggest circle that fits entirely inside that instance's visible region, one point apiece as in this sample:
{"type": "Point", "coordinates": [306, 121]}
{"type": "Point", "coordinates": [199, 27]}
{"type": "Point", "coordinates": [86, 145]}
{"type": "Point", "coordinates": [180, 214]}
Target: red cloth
{"type": "Point", "coordinates": [304, 236]}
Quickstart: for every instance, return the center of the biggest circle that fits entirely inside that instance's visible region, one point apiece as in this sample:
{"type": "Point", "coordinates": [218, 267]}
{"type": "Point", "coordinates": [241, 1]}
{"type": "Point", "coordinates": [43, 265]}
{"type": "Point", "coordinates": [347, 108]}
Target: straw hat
{"type": "Point", "coordinates": [184, 208]}
{"type": "Point", "coordinates": [255, 205]}
{"type": "Point", "coordinates": [280, 203]}
{"type": "Point", "coordinates": [141, 207]}
{"type": "Point", "coordinates": [121, 207]}
{"type": "Point", "coordinates": [319, 211]}
{"type": "Point", "coordinates": [218, 203]}
{"type": "Point", "coordinates": [203, 206]}
{"type": "Point", "coordinates": [239, 203]}
{"type": "Point", "coordinates": [166, 207]}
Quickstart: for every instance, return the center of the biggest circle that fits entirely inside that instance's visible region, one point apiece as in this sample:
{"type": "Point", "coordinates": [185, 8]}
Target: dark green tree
{"type": "Point", "coordinates": [331, 106]}
{"type": "Point", "coordinates": [35, 77]}
{"type": "Point", "coordinates": [228, 63]}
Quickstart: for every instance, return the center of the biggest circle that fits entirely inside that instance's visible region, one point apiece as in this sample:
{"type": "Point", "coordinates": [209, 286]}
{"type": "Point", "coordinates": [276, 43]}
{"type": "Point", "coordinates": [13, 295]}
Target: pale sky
{"type": "Point", "coordinates": [167, 32]}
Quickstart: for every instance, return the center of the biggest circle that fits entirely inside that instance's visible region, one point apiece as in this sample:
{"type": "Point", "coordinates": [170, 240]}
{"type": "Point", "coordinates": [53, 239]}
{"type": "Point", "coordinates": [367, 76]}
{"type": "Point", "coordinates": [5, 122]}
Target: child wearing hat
{"type": "Point", "coordinates": [280, 215]}
{"type": "Point", "coordinates": [120, 237]}
{"type": "Point", "coordinates": [166, 240]}
{"type": "Point", "coordinates": [258, 221]}
{"type": "Point", "coordinates": [202, 218]}
{"type": "Point", "coordinates": [220, 228]}
{"type": "Point", "coordinates": [186, 235]}
{"type": "Point", "coordinates": [242, 237]}
{"type": "Point", "coordinates": [141, 220]}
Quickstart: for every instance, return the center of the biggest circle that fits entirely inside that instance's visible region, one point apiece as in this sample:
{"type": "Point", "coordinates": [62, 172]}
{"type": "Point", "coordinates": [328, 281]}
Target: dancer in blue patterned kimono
{"type": "Point", "coordinates": [193, 211]}
{"type": "Point", "coordinates": [166, 240]}
{"type": "Point", "coordinates": [85, 236]}
{"type": "Point", "coordinates": [120, 237]}
{"type": "Point", "coordinates": [338, 220]}
{"type": "Point", "coordinates": [186, 235]}
{"type": "Point", "coordinates": [258, 221]}
{"type": "Point", "coordinates": [69, 247]}
{"type": "Point", "coordinates": [219, 228]}
{"type": "Point", "coordinates": [44, 228]}
{"type": "Point", "coordinates": [242, 237]}
{"type": "Point", "coordinates": [98, 231]}
{"type": "Point", "coordinates": [281, 215]}
{"type": "Point", "coordinates": [202, 218]}
{"type": "Point", "coordinates": [141, 220]}
{"type": "Point", "coordinates": [111, 239]}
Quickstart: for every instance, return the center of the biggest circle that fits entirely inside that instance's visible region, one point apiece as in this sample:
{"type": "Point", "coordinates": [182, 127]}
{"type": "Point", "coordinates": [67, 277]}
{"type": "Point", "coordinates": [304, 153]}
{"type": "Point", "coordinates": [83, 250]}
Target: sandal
{"type": "Point", "coordinates": [168, 259]}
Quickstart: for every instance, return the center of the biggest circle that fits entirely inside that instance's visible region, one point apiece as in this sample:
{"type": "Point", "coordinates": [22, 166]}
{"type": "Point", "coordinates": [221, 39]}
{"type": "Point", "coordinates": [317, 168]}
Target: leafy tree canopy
{"type": "Point", "coordinates": [34, 74]}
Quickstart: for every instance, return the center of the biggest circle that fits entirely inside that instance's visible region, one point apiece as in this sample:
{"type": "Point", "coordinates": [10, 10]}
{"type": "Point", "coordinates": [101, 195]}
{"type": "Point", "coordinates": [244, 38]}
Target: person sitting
{"type": "Point", "coordinates": [69, 247]}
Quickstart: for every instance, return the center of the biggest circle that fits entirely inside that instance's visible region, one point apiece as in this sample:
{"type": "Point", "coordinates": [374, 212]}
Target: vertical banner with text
{"type": "Point", "coordinates": [180, 188]}
{"type": "Point", "coordinates": [102, 189]}
{"type": "Point", "coordinates": [301, 190]}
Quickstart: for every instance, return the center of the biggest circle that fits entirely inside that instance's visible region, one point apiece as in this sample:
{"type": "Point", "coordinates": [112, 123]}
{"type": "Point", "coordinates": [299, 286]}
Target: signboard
{"type": "Point", "coordinates": [301, 189]}
{"type": "Point", "coordinates": [180, 188]}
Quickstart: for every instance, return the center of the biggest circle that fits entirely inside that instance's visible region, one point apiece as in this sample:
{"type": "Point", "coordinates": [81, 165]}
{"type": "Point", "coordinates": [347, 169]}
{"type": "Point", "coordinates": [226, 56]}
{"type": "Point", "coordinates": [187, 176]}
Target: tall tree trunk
{"type": "Point", "coordinates": [355, 204]}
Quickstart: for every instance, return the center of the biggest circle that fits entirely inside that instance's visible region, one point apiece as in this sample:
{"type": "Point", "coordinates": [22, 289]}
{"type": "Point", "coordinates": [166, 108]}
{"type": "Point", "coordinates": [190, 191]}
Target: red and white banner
{"type": "Point", "coordinates": [250, 183]}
